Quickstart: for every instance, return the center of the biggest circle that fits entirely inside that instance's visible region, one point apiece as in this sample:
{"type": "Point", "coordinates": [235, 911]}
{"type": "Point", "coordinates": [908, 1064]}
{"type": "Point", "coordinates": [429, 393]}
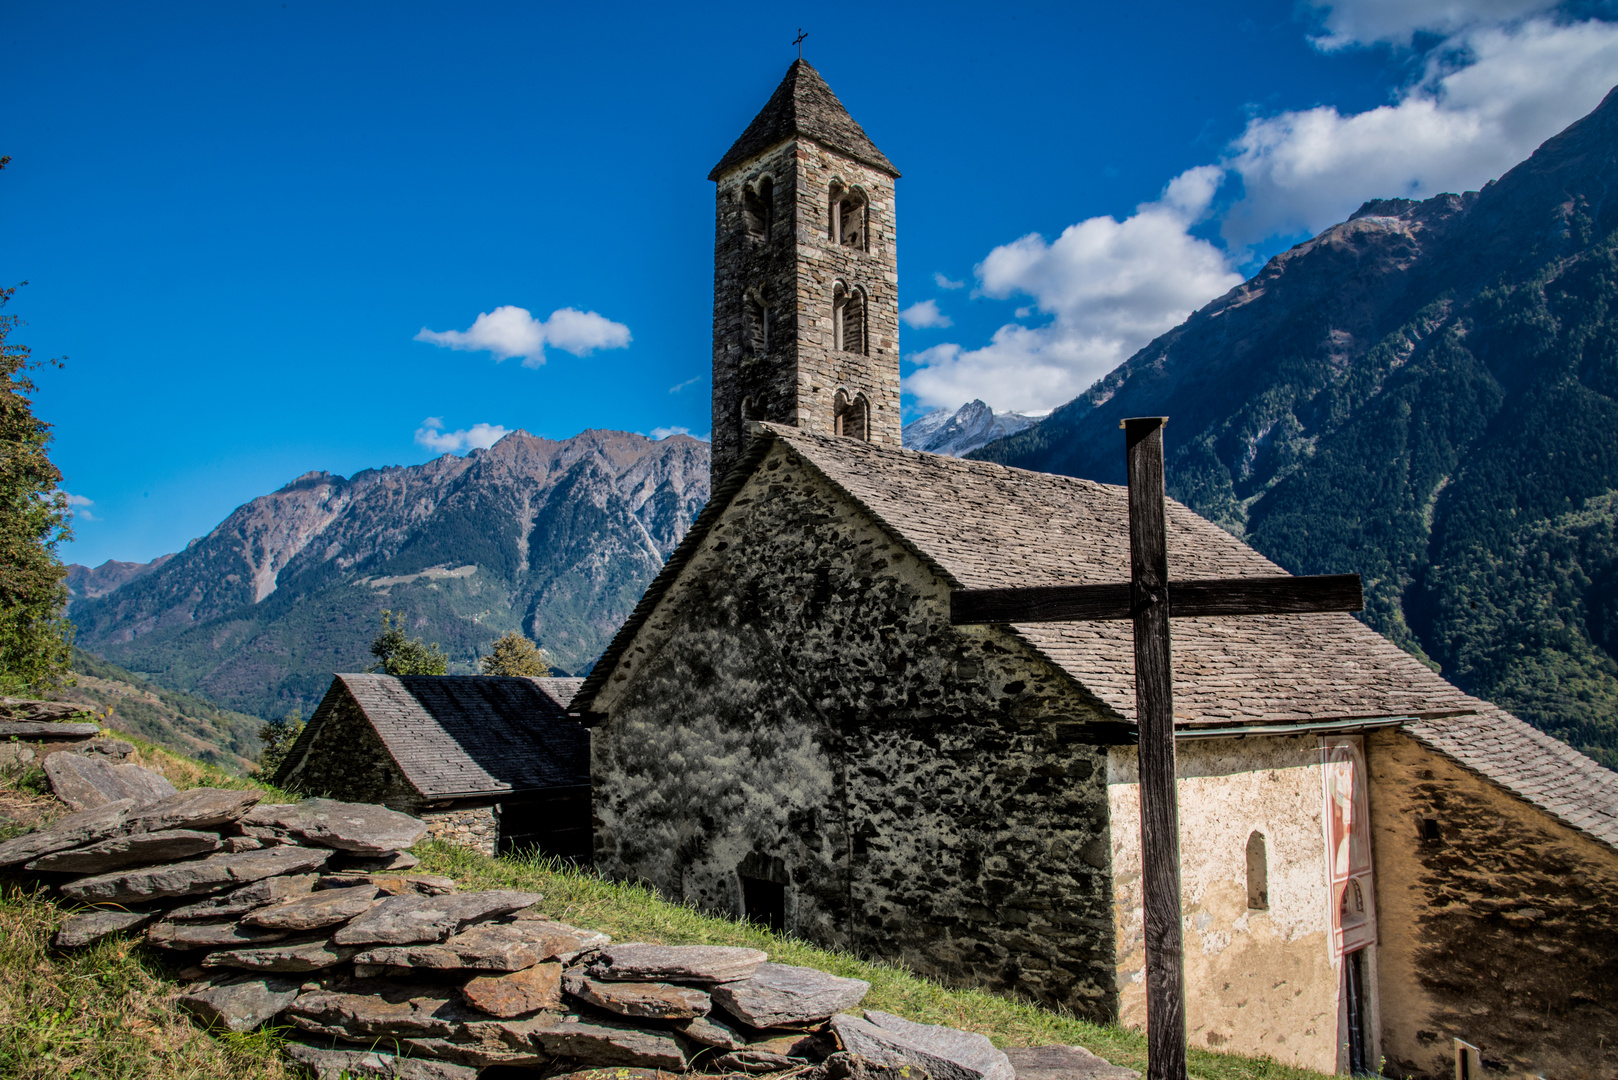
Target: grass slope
{"type": "Point", "coordinates": [108, 1012]}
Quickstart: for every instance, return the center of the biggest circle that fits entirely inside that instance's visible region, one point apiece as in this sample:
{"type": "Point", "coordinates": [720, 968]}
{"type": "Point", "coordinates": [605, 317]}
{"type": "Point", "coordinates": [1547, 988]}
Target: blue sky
{"type": "Point", "coordinates": [237, 219]}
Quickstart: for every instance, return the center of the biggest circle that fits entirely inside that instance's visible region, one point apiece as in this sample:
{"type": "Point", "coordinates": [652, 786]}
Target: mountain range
{"type": "Point", "coordinates": [960, 432]}
{"type": "Point", "coordinates": [1427, 394]}
{"type": "Point", "coordinates": [555, 539]}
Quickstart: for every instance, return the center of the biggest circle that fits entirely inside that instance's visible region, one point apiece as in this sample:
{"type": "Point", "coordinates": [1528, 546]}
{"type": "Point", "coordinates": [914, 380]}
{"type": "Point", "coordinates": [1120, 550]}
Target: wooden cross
{"type": "Point", "coordinates": [798, 41]}
{"type": "Point", "coordinates": [1151, 599]}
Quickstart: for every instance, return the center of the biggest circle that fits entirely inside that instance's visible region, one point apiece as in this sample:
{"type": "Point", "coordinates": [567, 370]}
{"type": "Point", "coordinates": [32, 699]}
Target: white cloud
{"type": "Point", "coordinates": [925, 314]}
{"type": "Point", "coordinates": [677, 387]}
{"type": "Point", "coordinates": [512, 331]}
{"type": "Point", "coordinates": [1454, 129]}
{"type": "Point", "coordinates": [78, 507]}
{"type": "Point", "coordinates": [945, 283]}
{"type": "Point", "coordinates": [1362, 22]}
{"type": "Point", "coordinates": [665, 432]}
{"type": "Point", "coordinates": [1109, 286]}
{"type": "Point", "coordinates": [432, 435]}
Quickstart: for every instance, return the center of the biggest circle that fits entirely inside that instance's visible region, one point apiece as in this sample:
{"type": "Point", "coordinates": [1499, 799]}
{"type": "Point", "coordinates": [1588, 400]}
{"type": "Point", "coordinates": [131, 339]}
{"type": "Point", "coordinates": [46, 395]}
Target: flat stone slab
{"type": "Point", "coordinates": [756, 1061]}
{"type": "Point", "coordinates": [519, 993]}
{"type": "Point", "coordinates": [652, 1001]}
{"type": "Point", "coordinates": [74, 830]}
{"type": "Point", "coordinates": [336, 1064]}
{"type": "Point", "coordinates": [394, 884]}
{"type": "Point", "coordinates": [563, 942]}
{"type": "Point", "coordinates": [240, 1002]}
{"type": "Point", "coordinates": [294, 956]}
{"type": "Point", "coordinates": [198, 876]}
{"type": "Point", "coordinates": [46, 731]}
{"type": "Point", "coordinates": [361, 828]}
{"type": "Point", "coordinates": [485, 947]}
{"type": "Point", "coordinates": [89, 927]}
{"type": "Point", "coordinates": [377, 1008]}
{"type": "Point", "coordinates": [706, 1031]}
{"type": "Point", "coordinates": [408, 920]}
{"type": "Point", "coordinates": [478, 1055]}
{"type": "Point", "coordinates": [194, 808]}
{"type": "Point", "coordinates": [194, 935]}
{"type": "Point", "coordinates": [120, 851]}
{"type": "Point", "coordinates": [315, 910]}
{"type": "Point", "coordinates": [945, 1053]}
{"type": "Point", "coordinates": [598, 1044]}
{"type": "Point", "coordinates": [778, 995]}
{"type": "Point", "coordinates": [85, 782]}
{"type": "Point", "coordinates": [272, 890]}
{"type": "Point", "coordinates": [845, 1066]}
{"type": "Point", "coordinates": [376, 864]}
{"type": "Point", "coordinates": [640, 962]}
{"type": "Point", "coordinates": [1064, 1063]}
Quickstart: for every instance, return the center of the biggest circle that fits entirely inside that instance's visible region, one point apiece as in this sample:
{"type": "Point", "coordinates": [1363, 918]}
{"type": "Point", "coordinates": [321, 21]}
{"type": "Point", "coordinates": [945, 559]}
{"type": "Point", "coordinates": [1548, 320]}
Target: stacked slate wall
{"type": "Point", "coordinates": [342, 756]}
{"type": "Point", "coordinates": [798, 706]}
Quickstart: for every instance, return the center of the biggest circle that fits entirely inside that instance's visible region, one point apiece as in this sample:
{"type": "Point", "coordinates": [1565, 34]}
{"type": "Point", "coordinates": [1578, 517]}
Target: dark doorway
{"type": "Point", "coordinates": [1354, 980]}
{"type": "Point", "coordinates": [764, 903]}
{"type": "Point", "coordinates": [554, 823]}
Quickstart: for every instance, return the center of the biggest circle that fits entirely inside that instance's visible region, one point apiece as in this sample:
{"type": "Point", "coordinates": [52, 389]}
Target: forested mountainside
{"type": "Point", "coordinates": [1426, 393]}
{"type": "Point", "coordinates": [556, 539]}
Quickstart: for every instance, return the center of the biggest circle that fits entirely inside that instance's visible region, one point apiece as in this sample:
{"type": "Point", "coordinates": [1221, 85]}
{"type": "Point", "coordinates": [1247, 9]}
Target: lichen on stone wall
{"type": "Point", "coordinates": [937, 794]}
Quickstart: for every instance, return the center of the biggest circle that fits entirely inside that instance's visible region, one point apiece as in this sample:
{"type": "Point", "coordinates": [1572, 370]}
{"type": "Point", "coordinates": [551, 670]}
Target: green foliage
{"type": "Point", "coordinates": [397, 654]}
{"type": "Point", "coordinates": [34, 638]}
{"type": "Point", "coordinates": [514, 654]}
{"type": "Point", "coordinates": [278, 737]}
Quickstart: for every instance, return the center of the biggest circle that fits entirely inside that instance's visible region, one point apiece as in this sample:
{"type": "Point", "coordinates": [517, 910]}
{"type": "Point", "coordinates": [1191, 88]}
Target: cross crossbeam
{"type": "Point", "coordinates": [1150, 599]}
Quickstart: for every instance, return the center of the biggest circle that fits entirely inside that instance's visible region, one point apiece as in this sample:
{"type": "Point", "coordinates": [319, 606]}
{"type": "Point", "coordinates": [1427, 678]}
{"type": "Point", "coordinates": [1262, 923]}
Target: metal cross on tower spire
{"type": "Point", "coordinates": [798, 41]}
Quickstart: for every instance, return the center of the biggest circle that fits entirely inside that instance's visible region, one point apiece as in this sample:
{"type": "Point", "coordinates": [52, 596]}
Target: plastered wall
{"type": "Point", "coordinates": [933, 793]}
{"type": "Point", "coordinates": [1257, 981]}
{"type": "Point", "coordinates": [1501, 930]}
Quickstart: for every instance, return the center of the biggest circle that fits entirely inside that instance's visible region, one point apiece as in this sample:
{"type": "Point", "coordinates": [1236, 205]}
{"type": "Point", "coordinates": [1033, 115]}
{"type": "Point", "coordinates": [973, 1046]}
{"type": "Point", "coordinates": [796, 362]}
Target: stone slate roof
{"type": "Point", "coordinates": [470, 735]}
{"type": "Point", "coordinates": [983, 525]}
{"type": "Point", "coordinates": [803, 105]}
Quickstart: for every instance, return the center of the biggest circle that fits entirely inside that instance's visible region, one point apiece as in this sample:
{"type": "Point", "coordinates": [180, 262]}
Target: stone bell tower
{"type": "Point", "coordinates": [806, 275]}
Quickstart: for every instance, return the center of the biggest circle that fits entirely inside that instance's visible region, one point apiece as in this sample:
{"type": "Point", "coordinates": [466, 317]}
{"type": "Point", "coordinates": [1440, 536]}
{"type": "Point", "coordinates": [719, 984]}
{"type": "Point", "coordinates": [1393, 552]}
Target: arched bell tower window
{"type": "Point", "coordinates": [758, 205]}
{"type": "Point", "coordinates": [848, 319]}
{"type": "Point", "coordinates": [851, 417]}
{"type": "Point", "coordinates": [848, 217]}
{"type": "Point", "coordinates": [756, 316]}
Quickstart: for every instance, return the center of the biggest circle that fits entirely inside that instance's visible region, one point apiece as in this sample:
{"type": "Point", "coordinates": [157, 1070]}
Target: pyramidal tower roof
{"type": "Point", "coordinates": [803, 105]}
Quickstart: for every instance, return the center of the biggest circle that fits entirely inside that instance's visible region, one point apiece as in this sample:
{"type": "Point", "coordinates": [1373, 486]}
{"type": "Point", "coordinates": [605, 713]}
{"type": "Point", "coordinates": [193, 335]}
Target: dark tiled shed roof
{"type": "Point", "coordinates": [468, 735]}
{"type": "Point", "coordinates": [982, 525]}
{"type": "Point", "coordinates": [803, 105]}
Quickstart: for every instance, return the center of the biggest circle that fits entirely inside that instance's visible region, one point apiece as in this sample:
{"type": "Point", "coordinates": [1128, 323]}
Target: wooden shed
{"type": "Point", "coordinates": [490, 763]}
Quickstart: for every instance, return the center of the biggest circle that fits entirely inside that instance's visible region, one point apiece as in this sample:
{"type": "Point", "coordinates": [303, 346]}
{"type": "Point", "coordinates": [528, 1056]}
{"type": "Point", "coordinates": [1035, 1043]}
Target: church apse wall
{"type": "Point", "coordinates": [1498, 925]}
{"type": "Point", "coordinates": [1256, 953]}
{"type": "Point", "coordinates": [798, 715]}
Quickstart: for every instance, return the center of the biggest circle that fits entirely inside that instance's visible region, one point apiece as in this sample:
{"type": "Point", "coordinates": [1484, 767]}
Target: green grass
{"type": "Point", "coordinates": [634, 913]}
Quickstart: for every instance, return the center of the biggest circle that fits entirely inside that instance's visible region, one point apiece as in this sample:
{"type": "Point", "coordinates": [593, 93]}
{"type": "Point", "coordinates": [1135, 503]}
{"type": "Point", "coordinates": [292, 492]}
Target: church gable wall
{"type": "Point", "coordinates": [798, 710]}
{"type": "Point", "coordinates": [1259, 981]}
{"type": "Point", "coordinates": [1499, 926]}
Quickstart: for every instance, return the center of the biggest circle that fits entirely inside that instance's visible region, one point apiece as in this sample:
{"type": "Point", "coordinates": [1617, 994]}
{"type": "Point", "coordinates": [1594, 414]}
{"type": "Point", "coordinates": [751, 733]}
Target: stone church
{"type": "Point", "coordinates": [1376, 866]}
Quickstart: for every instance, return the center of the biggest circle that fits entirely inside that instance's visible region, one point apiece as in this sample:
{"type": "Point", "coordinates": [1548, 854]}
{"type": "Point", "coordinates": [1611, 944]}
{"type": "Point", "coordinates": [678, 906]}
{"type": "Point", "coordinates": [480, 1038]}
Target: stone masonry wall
{"type": "Point", "coordinates": [934, 794]}
{"type": "Point", "coordinates": [1259, 982]}
{"type": "Point", "coordinates": [474, 827]}
{"type": "Point", "coordinates": [1498, 925]}
{"type": "Point", "coordinates": [344, 759]}
{"type": "Point", "coordinates": [798, 267]}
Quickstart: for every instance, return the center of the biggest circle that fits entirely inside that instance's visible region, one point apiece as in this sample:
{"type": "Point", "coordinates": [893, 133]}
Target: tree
{"type": "Point", "coordinates": [35, 639]}
{"type": "Point", "coordinates": [397, 654]}
{"type": "Point", "coordinates": [278, 737]}
{"type": "Point", "coordinates": [515, 655]}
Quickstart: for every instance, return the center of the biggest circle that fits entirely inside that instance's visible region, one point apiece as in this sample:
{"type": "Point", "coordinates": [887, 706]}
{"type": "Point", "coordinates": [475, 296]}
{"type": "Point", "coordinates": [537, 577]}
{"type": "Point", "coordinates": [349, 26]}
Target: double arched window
{"type": "Point", "coordinates": [848, 319]}
{"type": "Point", "coordinates": [851, 416]}
{"type": "Point", "coordinates": [758, 208]}
{"type": "Point", "coordinates": [848, 217]}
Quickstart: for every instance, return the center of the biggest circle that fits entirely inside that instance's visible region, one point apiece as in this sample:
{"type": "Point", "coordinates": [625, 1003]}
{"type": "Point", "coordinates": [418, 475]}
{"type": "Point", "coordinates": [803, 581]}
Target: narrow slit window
{"type": "Point", "coordinates": [755, 323]}
{"type": "Point", "coordinates": [1258, 873]}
